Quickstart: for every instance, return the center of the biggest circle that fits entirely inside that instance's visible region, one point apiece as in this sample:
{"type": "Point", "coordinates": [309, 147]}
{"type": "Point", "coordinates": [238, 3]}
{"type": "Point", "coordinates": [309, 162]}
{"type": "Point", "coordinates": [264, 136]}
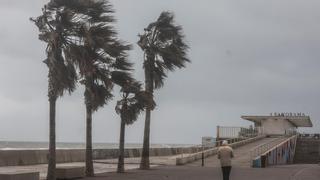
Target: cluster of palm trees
{"type": "Point", "coordinates": [83, 48]}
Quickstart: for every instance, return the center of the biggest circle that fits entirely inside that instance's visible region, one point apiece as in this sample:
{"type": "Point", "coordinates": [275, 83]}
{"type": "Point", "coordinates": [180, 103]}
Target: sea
{"type": "Point", "coordinates": [16, 145]}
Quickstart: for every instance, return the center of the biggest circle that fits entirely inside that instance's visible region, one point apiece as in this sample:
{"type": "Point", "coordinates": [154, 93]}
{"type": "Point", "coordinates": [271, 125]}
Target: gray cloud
{"type": "Point", "coordinates": [248, 57]}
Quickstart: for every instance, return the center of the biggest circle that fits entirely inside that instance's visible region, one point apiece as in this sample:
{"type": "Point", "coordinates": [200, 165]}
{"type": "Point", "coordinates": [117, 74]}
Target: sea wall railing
{"type": "Point", "coordinates": [230, 134]}
{"type": "Point", "coordinates": [224, 132]}
{"type": "Point", "coordinates": [282, 153]}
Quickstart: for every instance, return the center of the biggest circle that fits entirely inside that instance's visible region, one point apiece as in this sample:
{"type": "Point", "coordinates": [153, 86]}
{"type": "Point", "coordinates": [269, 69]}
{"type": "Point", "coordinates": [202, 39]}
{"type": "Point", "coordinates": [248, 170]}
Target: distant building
{"type": "Point", "coordinates": [279, 123]}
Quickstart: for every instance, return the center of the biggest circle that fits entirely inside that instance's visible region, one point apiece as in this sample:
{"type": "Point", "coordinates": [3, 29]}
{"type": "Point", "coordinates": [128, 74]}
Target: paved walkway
{"type": "Point", "coordinates": [241, 155]}
{"type": "Point", "coordinates": [100, 166]}
{"type": "Point", "coordinates": [292, 172]}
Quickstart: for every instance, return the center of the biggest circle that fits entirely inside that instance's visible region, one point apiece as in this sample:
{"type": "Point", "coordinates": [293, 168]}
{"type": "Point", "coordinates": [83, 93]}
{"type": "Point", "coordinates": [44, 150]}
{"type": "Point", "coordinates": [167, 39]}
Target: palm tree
{"type": "Point", "coordinates": [164, 50]}
{"type": "Point", "coordinates": [62, 74]}
{"type": "Point", "coordinates": [100, 57]}
{"type": "Point", "coordinates": [133, 102]}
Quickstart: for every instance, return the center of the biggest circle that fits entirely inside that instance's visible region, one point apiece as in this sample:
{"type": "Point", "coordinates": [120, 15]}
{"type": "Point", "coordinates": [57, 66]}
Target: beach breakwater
{"type": "Point", "coordinates": [40, 156]}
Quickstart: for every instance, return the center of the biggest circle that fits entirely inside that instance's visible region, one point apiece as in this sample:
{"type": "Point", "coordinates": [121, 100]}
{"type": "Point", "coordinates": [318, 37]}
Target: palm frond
{"type": "Point", "coordinates": [134, 101]}
{"type": "Point", "coordinates": [97, 96]}
{"type": "Point", "coordinates": [164, 46]}
{"type": "Point", "coordinates": [62, 74]}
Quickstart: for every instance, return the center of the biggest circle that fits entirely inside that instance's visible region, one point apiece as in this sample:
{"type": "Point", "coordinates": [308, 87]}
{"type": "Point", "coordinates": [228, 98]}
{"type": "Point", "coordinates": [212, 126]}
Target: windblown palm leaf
{"type": "Point", "coordinates": [62, 74]}
{"type": "Point", "coordinates": [134, 101]}
{"type": "Point", "coordinates": [96, 51]}
{"type": "Point", "coordinates": [164, 47]}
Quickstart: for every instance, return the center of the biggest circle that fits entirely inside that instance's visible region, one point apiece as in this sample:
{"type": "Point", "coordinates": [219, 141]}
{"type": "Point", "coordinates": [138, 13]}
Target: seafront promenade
{"type": "Point", "coordinates": [164, 167]}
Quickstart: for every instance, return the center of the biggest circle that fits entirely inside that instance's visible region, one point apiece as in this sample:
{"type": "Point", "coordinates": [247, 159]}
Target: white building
{"type": "Point", "coordinates": [279, 123]}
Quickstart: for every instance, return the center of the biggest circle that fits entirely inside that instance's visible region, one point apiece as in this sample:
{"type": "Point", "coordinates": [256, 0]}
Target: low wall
{"type": "Point", "coordinates": [281, 154]}
{"type": "Point", "coordinates": [197, 156]}
{"type": "Point", "coordinates": [307, 151]}
{"type": "Point", "coordinates": [31, 157]}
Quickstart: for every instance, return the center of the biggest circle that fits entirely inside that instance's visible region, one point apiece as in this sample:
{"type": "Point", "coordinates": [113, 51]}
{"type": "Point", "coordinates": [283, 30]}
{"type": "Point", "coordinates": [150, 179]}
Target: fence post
{"type": "Point", "coordinates": [218, 132]}
{"type": "Point", "coordinates": [263, 161]}
{"type": "Point", "coordinates": [202, 163]}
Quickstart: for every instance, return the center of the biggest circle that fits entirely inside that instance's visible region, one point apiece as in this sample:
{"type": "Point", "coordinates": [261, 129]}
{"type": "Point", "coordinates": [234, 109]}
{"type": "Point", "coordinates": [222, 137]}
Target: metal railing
{"type": "Point", "coordinates": [291, 131]}
{"type": "Point", "coordinates": [237, 132]}
{"type": "Point", "coordinates": [203, 147]}
{"type": "Point", "coordinates": [259, 150]}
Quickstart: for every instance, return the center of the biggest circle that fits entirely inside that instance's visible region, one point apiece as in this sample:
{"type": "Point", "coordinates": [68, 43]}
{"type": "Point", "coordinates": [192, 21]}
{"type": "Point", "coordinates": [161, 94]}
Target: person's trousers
{"type": "Point", "coordinates": [226, 172]}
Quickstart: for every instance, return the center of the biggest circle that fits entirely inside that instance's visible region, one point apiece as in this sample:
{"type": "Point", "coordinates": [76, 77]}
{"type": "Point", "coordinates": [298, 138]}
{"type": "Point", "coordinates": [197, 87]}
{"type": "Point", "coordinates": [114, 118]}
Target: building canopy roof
{"type": "Point", "coordinates": [298, 121]}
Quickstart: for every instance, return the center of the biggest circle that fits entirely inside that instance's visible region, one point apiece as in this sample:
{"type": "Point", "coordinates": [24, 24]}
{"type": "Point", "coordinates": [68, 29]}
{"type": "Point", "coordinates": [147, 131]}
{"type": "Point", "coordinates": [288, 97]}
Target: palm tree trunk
{"type": "Point", "coordinates": [89, 159]}
{"type": "Point", "coordinates": [51, 173]}
{"type": "Point", "coordinates": [121, 147]}
{"type": "Point", "coordinates": [145, 162]}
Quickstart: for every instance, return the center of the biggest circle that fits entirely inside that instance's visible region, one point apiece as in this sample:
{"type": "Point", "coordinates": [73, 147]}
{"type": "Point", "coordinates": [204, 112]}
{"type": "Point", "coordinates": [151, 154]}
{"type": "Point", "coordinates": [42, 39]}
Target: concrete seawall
{"type": "Point", "coordinates": [307, 151]}
{"type": "Point", "coordinates": [31, 157]}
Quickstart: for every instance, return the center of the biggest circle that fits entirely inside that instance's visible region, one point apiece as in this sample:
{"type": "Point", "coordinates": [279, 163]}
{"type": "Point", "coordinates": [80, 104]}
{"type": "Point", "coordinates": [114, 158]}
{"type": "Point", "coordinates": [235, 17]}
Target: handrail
{"type": "Point", "coordinates": [295, 147]}
{"type": "Point", "coordinates": [258, 150]}
{"type": "Point", "coordinates": [230, 143]}
{"type": "Point", "coordinates": [212, 145]}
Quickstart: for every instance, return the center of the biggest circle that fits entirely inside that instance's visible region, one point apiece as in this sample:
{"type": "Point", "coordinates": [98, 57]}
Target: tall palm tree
{"type": "Point", "coordinates": [62, 74]}
{"type": "Point", "coordinates": [100, 57]}
{"type": "Point", "coordinates": [164, 50]}
{"type": "Point", "coordinates": [133, 102]}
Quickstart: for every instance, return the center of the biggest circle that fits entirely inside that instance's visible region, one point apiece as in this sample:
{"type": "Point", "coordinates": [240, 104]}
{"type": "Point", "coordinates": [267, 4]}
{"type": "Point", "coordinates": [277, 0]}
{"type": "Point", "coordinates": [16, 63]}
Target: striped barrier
{"type": "Point", "coordinates": [279, 155]}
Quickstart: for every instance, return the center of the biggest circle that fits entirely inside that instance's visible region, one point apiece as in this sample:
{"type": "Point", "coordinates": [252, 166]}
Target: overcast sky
{"type": "Point", "coordinates": [249, 57]}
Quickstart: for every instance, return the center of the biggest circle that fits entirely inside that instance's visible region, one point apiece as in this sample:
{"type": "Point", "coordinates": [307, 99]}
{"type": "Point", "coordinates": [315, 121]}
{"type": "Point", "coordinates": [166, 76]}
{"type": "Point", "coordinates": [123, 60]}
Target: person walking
{"type": "Point", "coordinates": [225, 154]}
